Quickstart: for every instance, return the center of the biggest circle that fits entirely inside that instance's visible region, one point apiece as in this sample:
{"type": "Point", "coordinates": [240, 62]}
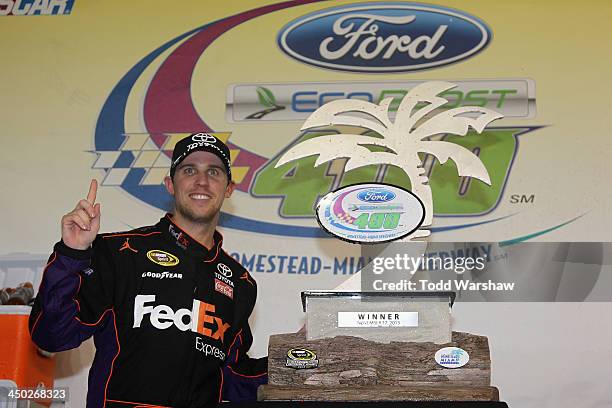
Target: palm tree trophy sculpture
{"type": "Point", "coordinates": [402, 139]}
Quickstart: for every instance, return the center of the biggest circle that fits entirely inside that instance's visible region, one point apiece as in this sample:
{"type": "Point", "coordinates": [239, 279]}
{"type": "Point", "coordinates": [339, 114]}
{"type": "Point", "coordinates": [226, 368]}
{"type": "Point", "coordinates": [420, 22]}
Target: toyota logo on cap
{"type": "Point", "coordinates": [205, 142]}
{"type": "Point", "coordinates": [203, 138]}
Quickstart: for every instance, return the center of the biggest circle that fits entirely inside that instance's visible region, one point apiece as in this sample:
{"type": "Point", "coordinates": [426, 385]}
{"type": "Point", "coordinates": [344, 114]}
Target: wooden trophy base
{"type": "Point", "coordinates": [354, 369]}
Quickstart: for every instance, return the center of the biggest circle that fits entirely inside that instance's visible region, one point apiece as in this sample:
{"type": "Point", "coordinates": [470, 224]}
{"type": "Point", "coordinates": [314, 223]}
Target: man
{"type": "Point", "coordinates": [167, 307]}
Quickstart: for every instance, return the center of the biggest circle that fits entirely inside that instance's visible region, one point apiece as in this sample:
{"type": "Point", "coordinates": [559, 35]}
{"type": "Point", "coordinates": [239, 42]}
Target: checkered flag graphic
{"type": "Point", "coordinates": [139, 156]}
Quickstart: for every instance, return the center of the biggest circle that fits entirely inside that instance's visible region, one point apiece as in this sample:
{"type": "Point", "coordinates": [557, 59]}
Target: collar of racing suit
{"type": "Point", "coordinates": [183, 240]}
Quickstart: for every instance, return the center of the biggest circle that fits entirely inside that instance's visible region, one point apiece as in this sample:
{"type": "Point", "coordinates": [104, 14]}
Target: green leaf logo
{"type": "Point", "coordinates": [266, 97]}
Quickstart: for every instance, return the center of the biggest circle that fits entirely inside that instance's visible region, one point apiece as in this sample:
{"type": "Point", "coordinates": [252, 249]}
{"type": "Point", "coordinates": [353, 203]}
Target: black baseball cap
{"type": "Point", "coordinates": [205, 142]}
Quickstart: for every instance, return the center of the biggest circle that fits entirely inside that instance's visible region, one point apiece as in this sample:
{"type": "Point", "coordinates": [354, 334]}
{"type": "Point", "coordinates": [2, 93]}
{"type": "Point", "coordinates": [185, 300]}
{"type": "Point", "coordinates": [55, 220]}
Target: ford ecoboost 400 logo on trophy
{"type": "Point", "coordinates": [384, 37]}
{"type": "Point", "coordinates": [368, 213]}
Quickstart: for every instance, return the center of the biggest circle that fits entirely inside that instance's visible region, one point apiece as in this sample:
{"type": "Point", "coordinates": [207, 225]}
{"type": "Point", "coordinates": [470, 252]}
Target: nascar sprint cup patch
{"type": "Point", "coordinates": [301, 358]}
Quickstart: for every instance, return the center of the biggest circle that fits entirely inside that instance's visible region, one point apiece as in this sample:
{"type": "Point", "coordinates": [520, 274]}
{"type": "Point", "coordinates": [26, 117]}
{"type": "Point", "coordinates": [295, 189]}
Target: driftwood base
{"type": "Point", "coordinates": [354, 369]}
{"type": "Point", "coordinates": [377, 393]}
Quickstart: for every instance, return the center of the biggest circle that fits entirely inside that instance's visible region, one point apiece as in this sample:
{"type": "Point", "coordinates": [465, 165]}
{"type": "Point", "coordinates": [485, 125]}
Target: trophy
{"type": "Point", "coordinates": [383, 345]}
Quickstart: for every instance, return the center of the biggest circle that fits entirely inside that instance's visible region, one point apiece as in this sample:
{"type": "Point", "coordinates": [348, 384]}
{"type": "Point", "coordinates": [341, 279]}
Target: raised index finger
{"type": "Point", "coordinates": [93, 189]}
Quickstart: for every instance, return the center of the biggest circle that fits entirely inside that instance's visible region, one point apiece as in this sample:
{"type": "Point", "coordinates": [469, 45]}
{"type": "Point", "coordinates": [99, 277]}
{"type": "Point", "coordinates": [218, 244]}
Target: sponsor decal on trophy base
{"type": "Point", "coordinates": [301, 358]}
{"type": "Point", "coordinates": [452, 357]}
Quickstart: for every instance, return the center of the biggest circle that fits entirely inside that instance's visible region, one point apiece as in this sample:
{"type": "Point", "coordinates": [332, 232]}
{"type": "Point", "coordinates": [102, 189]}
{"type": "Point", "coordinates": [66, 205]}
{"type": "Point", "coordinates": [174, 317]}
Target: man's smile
{"type": "Point", "coordinates": [199, 196]}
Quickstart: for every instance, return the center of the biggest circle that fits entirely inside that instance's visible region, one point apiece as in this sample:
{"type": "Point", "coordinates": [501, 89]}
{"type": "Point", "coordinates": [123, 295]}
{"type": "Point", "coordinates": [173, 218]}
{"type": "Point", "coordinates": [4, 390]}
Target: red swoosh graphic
{"type": "Point", "coordinates": [168, 106]}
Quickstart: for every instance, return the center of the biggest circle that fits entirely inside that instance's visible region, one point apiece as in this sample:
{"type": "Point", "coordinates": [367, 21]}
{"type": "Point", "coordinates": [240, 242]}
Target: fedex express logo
{"type": "Point", "coordinates": [386, 35]}
{"type": "Point", "coordinates": [35, 7]}
{"type": "Point", "coordinates": [200, 319]}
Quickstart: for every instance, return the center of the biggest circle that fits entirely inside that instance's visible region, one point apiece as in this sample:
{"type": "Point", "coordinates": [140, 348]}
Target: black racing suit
{"type": "Point", "coordinates": [169, 318]}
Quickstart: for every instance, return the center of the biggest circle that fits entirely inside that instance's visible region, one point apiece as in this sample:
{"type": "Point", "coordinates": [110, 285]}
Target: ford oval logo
{"type": "Point", "coordinates": [376, 196]}
{"type": "Point", "coordinates": [384, 37]}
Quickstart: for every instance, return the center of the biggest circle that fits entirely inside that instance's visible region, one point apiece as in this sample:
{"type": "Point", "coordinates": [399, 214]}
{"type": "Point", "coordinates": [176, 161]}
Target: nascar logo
{"type": "Point", "coordinates": [162, 258]}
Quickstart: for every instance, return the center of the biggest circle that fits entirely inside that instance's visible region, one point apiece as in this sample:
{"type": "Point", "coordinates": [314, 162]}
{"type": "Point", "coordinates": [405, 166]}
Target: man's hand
{"type": "Point", "coordinates": [81, 225]}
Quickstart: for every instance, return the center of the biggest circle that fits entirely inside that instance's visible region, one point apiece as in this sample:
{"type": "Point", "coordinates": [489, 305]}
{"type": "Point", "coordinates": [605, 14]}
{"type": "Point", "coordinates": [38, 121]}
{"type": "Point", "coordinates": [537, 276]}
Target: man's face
{"type": "Point", "coordinates": [199, 187]}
